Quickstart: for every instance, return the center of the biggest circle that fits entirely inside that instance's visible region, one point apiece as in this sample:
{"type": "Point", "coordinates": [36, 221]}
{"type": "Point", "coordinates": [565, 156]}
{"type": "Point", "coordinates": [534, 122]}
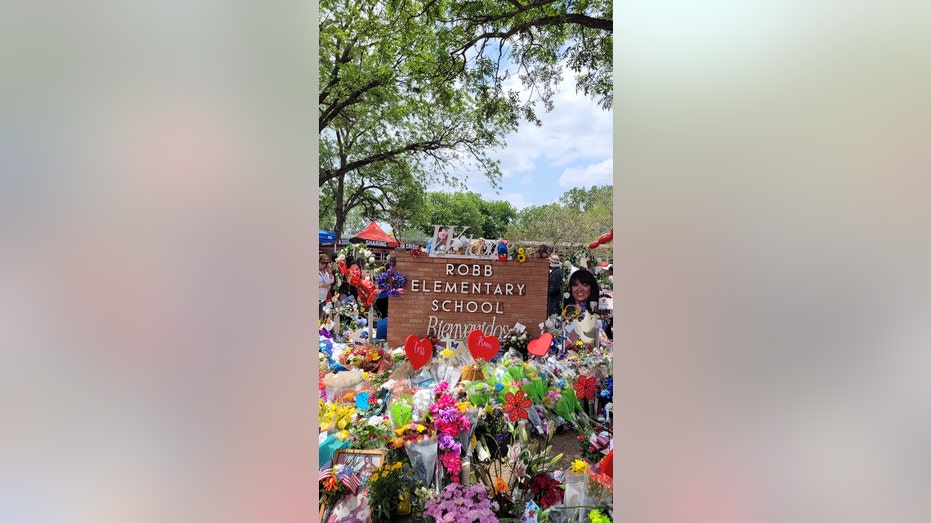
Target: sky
{"type": "Point", "coordinates": [572, 148]}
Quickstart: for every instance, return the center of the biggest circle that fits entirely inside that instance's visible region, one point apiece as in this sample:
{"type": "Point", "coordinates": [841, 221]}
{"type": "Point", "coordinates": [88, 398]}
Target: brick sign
{"type": "Point", "coordinates": [448, 297]}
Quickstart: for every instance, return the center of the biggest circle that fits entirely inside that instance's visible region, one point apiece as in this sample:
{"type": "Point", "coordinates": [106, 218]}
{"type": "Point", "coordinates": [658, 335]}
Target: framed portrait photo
{"type": "Point", "coordinates": [362, 462]}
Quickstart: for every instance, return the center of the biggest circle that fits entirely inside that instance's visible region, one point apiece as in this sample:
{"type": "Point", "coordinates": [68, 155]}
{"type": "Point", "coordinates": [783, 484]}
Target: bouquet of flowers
{"type": "Point", "coordinates": [462, 505]}
{"type": "Point", "coordinates": [600, 488]}
{"type": "Point", "coordinates": [530, 477]}
{"type": "Point", "coordinates": [546, 489]}
{"type": "Point", "coordinates": [576, 486]}
{"type": "Point", "coordinates": [419, 443]}
{"type": "Point", "coordinates": [369, 358]}
{"type": "Point", "coordinates": [449, 419]}
{"type": "Point", "coordinates": [374, 433]}
{"type": "Point", "coordinates": [337, 419]}
{"type": "Point", "coordinates": [420, 498]}
{"type": "Point", "coordinates": [516, 340]}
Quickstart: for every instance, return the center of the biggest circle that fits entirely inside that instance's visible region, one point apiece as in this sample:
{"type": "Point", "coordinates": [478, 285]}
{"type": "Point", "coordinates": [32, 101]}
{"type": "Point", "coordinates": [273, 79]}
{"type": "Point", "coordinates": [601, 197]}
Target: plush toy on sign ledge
{"type": "Point", "coordinates": [502, 250]}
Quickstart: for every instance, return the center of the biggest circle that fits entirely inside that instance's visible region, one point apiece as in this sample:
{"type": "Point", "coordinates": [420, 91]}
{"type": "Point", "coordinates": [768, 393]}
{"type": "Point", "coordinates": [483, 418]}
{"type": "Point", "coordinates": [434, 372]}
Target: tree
{"type": "Point", "coordinates": [579, 217]}
{"type": "Point", "coordinates": [497, 216]}
{"type": "Point", "coordinates": [539, 37]}
{"type": "Point", "coordinates": [486, 219]}
{"type": "Point", "coordinates": [458, 209]}
{"type": "Point", "coordinates": [395, 103]}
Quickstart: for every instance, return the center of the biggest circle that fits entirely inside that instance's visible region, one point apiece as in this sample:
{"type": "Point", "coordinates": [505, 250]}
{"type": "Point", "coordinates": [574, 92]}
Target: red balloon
{"type": "Point", "coordinates": [593, 245]}
{"type": "Point", "coordinates": [366, 290]}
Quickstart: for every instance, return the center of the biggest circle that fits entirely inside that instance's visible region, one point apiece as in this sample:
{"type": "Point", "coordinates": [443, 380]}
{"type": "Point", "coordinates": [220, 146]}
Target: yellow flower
{"type": "Point", "coordinates": [579, 467]}
{"type": "Point", "coordinates": [421, 428]}
{"type": "Point", "coordinates": [446, 353]}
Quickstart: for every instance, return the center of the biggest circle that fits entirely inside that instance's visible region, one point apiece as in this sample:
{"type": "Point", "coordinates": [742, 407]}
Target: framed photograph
{"type": "Point", "coordinates": [362, 462]}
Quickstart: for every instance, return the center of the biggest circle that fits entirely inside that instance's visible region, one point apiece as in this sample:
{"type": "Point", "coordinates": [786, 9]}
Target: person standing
{"type": "Point", "coordinates": [554, 290]}
{"type": "Point", "coordinates": [326, 280]}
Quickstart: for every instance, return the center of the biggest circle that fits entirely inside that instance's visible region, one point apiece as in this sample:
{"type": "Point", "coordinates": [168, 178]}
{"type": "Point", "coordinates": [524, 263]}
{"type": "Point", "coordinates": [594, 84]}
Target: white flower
{"type": "Point", "coordinates": [371, 259]}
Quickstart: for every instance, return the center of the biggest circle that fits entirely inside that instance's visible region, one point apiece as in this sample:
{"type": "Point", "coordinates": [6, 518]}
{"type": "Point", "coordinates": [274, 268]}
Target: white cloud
{"type": "Point", "coordinates": [601, 173]}
{"type": "Point", "coordinates": [525, 179]}
{"type": "Point", "coordinates": [517, 200]}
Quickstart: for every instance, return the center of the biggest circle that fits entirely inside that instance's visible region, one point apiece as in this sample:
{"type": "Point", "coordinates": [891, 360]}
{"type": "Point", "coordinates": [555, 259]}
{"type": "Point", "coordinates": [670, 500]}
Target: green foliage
{"type": "Point", "coordinates": [497, 216]}
{"type": "Point", "coordinates": [396, 109]}
{"type": "Point", "coordinates": [486, 219]}
{"type": "Point", "coordinates": [539, 38]}
{"type": "Point", "coordinates": [578, 218]}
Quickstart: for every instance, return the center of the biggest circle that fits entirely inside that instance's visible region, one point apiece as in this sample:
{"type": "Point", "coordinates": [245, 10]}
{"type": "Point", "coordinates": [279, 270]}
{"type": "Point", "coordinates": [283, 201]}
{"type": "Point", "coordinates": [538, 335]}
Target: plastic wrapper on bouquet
{"type": "Point", "coordinates": [423, 459]}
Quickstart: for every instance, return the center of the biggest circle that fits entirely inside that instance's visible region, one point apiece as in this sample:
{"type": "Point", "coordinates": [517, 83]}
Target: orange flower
{"type": "Point", "coordinates": [501, 486]}
{"type": "Point", "coordinates": [331, 483]}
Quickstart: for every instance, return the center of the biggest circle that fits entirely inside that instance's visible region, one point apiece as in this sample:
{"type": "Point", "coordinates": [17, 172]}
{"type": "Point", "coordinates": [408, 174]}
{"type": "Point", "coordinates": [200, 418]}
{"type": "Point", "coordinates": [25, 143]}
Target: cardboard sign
{"type": "Point", "coordinates": [418, 351]}
{"type": "Point", "coordinates": [481, 346]}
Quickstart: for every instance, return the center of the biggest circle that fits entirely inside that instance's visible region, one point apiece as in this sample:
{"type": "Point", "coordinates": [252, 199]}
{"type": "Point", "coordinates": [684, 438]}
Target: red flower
{"type": "Point", "coordinates": [516, 405]}
{"type": "Point", "coordinates": [585, 387]}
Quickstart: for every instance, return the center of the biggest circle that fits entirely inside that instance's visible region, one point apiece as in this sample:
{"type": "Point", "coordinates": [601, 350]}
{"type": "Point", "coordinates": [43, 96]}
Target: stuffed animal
{"type": "Point", "coordinates": [502, 250]}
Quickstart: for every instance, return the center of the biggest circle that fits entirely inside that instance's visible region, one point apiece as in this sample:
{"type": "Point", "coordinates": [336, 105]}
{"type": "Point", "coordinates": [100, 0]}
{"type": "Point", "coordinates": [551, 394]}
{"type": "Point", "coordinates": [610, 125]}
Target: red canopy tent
{"type": "Point", "coordinates": [374, 236]}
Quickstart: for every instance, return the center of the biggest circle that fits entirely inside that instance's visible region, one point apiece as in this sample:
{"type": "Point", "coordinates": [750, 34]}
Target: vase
{"type": "Point", "coordinates": [404, 506]}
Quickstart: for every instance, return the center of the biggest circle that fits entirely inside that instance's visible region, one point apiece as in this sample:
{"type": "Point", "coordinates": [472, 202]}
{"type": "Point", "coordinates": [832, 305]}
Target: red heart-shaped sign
{"type": "Point", "coordinates": [481, 346]}
{"type": "Point", "coordinates": [541, 345]}
{"type": "Point", "coordinates": [418, 351]}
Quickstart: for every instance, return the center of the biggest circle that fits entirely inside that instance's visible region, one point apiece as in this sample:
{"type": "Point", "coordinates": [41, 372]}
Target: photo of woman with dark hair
{"type": "Point", "coordinates": [583, 291]}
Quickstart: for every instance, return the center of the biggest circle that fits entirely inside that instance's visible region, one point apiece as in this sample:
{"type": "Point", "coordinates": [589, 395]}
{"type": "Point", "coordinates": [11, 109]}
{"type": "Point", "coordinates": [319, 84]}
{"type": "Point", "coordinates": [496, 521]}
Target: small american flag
{"type": "Point", "coordinates": [350, 479]}
{"type": "Point", "coordinates": [324, 474]}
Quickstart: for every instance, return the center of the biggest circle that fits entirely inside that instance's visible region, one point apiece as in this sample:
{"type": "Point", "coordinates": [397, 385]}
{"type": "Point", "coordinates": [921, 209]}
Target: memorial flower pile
{"type": "Point", "coordinates": [488, 424]}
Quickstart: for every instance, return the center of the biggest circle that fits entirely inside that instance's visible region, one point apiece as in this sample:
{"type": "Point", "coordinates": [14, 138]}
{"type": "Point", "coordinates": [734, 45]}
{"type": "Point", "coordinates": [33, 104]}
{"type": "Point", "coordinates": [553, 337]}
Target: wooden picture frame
{"type": "Point", "coordinates": [362, 462]}
{"type": "Point", "coordinates": [354, 508]}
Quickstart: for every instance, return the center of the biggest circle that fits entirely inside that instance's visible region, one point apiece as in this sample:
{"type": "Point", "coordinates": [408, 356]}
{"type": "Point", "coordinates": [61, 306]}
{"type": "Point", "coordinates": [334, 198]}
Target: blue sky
{"type": "Point", "coordinates": [573, 148]}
